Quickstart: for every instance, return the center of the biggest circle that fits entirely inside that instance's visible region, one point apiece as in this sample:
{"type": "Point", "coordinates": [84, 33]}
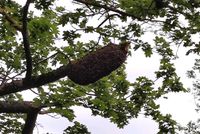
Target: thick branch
{"type": "Point", "coordinates": [35, 81]}
{"type": "Point", "coordinates": [26, 41]}
{"type": "Point", "coordinates": [16, 107]}
{"type": "Point", "coordinates": [10, 20]}
{"type": "Point", "coordinates": [22, 107]}
{"type": "Point", "coordinates": [30, 121]}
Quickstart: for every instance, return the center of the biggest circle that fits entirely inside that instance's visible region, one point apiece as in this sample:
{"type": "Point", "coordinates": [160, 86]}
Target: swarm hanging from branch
{"type": "Point", "coordinates": [98, 64]}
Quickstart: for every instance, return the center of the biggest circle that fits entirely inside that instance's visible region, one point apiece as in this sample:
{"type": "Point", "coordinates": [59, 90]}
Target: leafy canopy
{"type": "Point", "coordinates": [58, 35]}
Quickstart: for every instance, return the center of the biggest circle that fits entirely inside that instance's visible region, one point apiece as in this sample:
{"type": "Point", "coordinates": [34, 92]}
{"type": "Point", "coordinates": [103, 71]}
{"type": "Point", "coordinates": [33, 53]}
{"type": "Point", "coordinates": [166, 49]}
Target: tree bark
{"type": "Point", "coordinates": [22, 107]}
{"type": "Point", "coordinates": [35, 81]}
{"type": "Point", "coordinates": [30, 121]}
{"type": "Point", "coordinates": [16, 107]}
{"type": "Point", "coordinates": [26, 41]}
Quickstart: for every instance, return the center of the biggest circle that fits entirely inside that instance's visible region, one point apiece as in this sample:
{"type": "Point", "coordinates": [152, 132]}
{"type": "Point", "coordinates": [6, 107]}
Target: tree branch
{"type": "Point", "coordinates": [122, 13]}
{"type": "Point", "coordinates": [87, 2]}
{"type": "Point", "coordinates": [107, 18]}
{"type": "Point", "coordinates": [30, 121]}
{"type": "Point", "coordinates": [35, 81]}
{"type": "Point", "coordinates": [17, 107]}
{"type": "Point", "coordinates": [22, 107]}
{"type": "Point", "coordinates": [10, 20]}
{"type": "Point", "coordinates": [26, 41]}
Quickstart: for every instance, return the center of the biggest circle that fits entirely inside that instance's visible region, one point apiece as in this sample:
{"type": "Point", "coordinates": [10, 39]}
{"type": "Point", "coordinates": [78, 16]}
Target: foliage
{"type": "Point", "coordinates": [76, 129]}
{"type": "Point", "coordinates": [140, 9]}
{"type": "Point", "coordinates": [191, 128]}
{"type": "Point", "coordinates": [10, 123]}
{"type": "Point", "coordinates": [59, 35]}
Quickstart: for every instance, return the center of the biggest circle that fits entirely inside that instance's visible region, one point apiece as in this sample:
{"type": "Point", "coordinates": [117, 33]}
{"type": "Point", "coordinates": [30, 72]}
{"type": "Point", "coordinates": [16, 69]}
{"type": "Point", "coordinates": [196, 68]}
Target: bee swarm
{"type": "Point", "coordinates": [98, 64]}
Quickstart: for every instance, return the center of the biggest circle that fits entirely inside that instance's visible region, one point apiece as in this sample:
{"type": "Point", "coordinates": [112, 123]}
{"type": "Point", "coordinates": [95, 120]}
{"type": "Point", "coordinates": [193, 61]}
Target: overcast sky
{"type": "Point", "coordinates": [180, 105]}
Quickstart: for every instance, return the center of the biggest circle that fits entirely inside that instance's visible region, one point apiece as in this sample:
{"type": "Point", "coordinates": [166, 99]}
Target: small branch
{"type": "Point", "coordinates": [10, 20]}
{"type": "Point", "coordinates": [122, 13]}
{"type": "Point", "coordinates": [107, 18]}
{"type": "Point", "coordinates": [34, 92]}
{"type": "Point", "coordinates": [87, 2]}
{"type": "Point", "coordinates": [5, 77]}
{"type": "Point", "coordinates": [26, 41]}
{"type": "Point", "coordinates": [46, 59]}
{"type": "Point", "coordinates": [37, 64]}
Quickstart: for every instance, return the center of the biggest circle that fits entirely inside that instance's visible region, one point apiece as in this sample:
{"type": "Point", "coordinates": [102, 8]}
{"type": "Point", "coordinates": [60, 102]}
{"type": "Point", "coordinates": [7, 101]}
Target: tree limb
{"type": "Point", "coordinates": [17, 107]}
{"type": "Point", "coordinates": [25, 107]}
{"type": "Point", "coordinates": [30, 121]}
{"type": "Point", "coordinates": [35, 81]}
{"type": "Point", "coordinates": [26, 41]}
{"type": "Point", "coordinates": [22, 107]}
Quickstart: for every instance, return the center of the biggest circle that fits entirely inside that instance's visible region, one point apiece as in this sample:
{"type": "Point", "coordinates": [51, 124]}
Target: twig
{"type": "Point", "coordinates": [26, 41]}
{"type": "Point", "coordinates": [34, 92]}
{"type": "Point", "coordinates": [90, 8]}
{"type": "Point", "coordinates": [179, 44]}
{"type": "Point", "coordinates": [109, 16]}
{"type": "Point", "coordinates": [46, 59]}
{"type": "Point", "coordinates": [36, 64]}
{"type": "Point", "coordinates": [5, 76]}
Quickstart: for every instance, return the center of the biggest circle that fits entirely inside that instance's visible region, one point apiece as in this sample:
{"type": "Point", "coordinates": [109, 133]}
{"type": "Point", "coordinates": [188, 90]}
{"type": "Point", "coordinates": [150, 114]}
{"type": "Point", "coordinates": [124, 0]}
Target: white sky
{"type": "Point", "coordinates": [180, 105]}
